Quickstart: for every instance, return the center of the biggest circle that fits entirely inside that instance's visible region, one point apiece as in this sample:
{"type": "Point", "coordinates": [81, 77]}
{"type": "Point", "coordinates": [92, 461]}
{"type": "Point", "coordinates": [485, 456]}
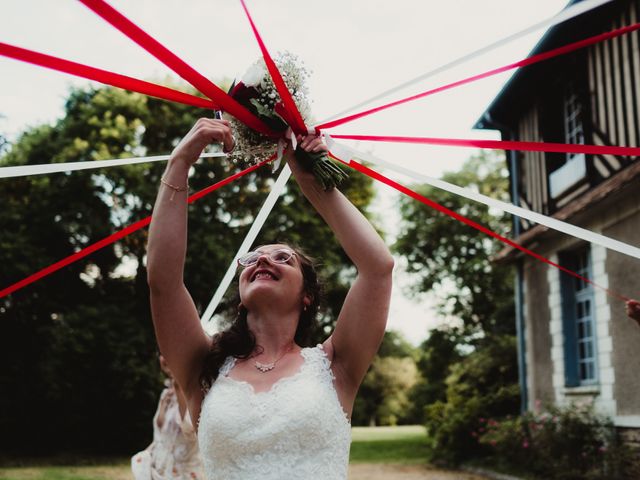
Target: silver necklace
{"type": "Point", "coordinates": [267, 367]}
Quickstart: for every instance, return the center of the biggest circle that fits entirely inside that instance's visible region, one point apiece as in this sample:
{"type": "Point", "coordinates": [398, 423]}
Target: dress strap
{"type": "Point", "coordinates": [226, 367]}
{"type": "Point", "coordinates": [316, 358]}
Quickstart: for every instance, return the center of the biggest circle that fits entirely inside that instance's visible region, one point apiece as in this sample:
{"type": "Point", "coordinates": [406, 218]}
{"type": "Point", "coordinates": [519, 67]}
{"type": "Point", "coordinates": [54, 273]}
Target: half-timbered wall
{"type": "Point", "coordinates": [610, 116]}
{"type": "Point", "coordinates": [532, 170]}
{"type": "Point", "coordinates": [614, 81]}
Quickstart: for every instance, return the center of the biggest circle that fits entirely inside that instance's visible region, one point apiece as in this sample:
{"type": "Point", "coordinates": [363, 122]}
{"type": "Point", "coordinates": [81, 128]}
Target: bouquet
{"type": "Point", "coordinates": [257, 93]}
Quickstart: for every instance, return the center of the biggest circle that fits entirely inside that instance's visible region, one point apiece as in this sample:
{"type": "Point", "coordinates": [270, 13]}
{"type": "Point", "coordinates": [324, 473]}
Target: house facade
{"type": "Point", "coordinates": [575, 342]}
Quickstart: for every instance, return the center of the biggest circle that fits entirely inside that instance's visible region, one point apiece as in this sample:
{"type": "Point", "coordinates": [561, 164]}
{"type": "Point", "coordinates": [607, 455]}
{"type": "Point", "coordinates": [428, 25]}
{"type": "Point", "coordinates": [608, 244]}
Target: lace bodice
{"type": "Point", "coordinates": [297, 429]}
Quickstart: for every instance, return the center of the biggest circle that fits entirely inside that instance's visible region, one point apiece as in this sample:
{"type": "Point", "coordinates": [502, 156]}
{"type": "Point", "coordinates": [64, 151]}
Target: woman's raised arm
{"type": "Point", "coordinates": [180, 336]}
{"type": "Point", "coordinates": [362, 320]}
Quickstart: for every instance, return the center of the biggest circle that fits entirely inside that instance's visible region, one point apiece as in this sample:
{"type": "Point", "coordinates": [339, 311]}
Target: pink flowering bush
{"type": "Point", "coordinates": [561, 443]}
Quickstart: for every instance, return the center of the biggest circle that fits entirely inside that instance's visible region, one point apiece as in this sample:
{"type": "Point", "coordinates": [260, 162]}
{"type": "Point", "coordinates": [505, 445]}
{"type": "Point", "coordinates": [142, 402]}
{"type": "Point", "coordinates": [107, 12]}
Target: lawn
{"type": "Point", "coordinates": [394, 445]}
{"type": "Point", "coordinates": [98, 472]}
{"type": "Point", "coordinates": [404, 445]}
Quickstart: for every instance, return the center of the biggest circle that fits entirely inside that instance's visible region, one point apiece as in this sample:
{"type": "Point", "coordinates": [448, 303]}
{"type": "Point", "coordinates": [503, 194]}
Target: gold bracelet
{"type": "Point", "coordinates": [174, 188]}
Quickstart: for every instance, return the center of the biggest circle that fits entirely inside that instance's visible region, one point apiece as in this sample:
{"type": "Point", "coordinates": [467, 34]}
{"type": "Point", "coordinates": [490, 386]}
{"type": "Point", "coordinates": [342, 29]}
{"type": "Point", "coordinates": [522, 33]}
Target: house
{"type": "Point", "coordinates": [575, 341]}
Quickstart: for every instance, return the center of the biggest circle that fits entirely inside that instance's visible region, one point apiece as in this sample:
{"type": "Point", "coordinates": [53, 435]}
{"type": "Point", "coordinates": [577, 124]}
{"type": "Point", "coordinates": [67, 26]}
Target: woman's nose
{"type": "Point", "coordinates": [264, 256]}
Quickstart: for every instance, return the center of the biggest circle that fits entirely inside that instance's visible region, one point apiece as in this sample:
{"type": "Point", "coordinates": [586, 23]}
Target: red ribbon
{"type": "Point", "coordinates": [523, 63]}
{"type": "Point", "coordinates": [293, 117]}
{"type": "Point", "coordinates": [118, 235]}
{"type": "Point", "coordinates": [422, 199]}
{"type": "Point", "coordinates": [501, 145]}
{"type": "Point", "coordinates": [103, 76]}
{"type": "Point", "coordinates": [155, 48]}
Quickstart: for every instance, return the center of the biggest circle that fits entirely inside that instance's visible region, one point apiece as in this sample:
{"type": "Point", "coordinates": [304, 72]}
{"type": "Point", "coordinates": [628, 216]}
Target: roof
{"type": "Point", "coordinates": [515, 95]}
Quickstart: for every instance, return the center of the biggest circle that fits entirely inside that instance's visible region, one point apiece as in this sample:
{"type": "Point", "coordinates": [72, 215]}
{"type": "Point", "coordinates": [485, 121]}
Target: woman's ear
{"type": "Point", "coordinates": [307, 300]}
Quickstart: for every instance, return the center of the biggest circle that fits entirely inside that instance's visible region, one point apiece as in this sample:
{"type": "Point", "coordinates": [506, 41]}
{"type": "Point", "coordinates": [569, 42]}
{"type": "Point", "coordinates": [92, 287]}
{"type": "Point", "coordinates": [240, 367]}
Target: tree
{"type": "Point", "coordinates": [480, 386]}
{"type": "Point", "coordinates": [470, 372]}
{"type": "Point", "coordinates": [78, 351]}
{"type": "Point", "coordinates": [394, 344]}
{"type": "Point", "coordinates": [4, 141]}
{"type": "Point", "coordinates": [438, 353]}
{"type": "Point", "coordinates": [442, 252]}
{"type": "Point", "coordinates": [384, 396]}
{"type": "Point", "coordinates": [60, 375]}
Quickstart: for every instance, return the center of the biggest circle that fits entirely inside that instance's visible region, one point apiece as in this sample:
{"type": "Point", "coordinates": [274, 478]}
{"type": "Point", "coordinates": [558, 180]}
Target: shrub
{"type": "Point", "coordinates": [562, 443]}
{"type": "Point", "coordinates": [482, 385]}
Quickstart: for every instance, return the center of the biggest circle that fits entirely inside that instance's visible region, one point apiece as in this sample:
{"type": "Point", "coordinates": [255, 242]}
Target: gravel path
{"type": "Point", "coordinates": [361, 471]}
{"type": "Point", "coordinates": [371, 471]}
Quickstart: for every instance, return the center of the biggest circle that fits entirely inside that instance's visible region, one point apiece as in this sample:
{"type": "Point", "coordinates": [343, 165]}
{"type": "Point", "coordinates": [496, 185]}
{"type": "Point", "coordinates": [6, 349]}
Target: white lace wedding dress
{"type": "Point", "coordinates": [297, 430]}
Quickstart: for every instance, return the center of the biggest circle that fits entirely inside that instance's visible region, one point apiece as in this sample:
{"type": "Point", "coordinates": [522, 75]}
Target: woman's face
{"type": "Point", "coordinates": [269, 280]}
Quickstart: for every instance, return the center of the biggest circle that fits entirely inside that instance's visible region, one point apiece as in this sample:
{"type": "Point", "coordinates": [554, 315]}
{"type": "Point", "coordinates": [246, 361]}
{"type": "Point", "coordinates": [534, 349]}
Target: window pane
{"type": "Point", "coordinates": [582, 352]}
{"type": "Point", "coordinates": [583, 371]}
{"type": "Point", "coordinates": [580, 328]}
{"type": "Point", "coordinates": [573, 131]}
{"type": "Point", "coordinates": [590, 371]}
{"type": "Point", "coordinates": [590, 350]}
{"type": "Point", "coordinates": [587, 329]}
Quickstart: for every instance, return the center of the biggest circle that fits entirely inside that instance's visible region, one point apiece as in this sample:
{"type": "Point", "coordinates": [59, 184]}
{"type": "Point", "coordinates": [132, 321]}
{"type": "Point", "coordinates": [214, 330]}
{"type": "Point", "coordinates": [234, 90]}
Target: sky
{"type": "Point", "coordinates": [355, 49]}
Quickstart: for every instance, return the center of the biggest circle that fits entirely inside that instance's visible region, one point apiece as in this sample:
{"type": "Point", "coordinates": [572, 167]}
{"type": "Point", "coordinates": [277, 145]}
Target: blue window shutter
{"type": "Point", "coordinates": [570, 346]}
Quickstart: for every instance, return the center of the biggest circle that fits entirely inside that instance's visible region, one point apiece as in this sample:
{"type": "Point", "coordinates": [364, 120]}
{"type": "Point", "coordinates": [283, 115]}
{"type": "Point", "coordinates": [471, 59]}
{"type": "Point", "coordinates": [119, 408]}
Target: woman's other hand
{"type": "Point", "coordinates": [633, 310]}
{"type": "Point", "coordinates": [205, 132]}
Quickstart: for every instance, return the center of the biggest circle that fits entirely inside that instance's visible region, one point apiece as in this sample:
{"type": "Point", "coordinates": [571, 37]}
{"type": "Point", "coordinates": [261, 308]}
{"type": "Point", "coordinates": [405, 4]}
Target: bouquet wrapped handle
{"type": "Point", "coordinates": [326, 172]}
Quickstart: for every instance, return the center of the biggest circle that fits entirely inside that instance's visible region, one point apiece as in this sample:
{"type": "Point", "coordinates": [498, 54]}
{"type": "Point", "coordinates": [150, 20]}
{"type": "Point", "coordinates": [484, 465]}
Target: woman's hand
{"type": "Point", "coordinates": [204, 132]}
{"type": "Point", "coordinates": [311, 143]}
{"type": "Point", "coordinates": [633, 310]}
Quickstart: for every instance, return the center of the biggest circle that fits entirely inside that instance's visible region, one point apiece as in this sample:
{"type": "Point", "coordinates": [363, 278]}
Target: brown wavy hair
{"type": "Point", "coordinates": [239, 342]}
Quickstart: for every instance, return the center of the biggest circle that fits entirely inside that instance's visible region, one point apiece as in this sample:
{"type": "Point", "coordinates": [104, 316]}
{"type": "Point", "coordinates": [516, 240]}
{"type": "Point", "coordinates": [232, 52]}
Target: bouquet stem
{"type": "Point", "coordinates": [328, 174]}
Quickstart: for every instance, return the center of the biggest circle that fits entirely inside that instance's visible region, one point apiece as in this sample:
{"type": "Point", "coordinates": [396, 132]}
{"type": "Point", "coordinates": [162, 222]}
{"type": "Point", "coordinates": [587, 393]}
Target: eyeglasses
{"type": "Point", "coordinates": [275, 256]}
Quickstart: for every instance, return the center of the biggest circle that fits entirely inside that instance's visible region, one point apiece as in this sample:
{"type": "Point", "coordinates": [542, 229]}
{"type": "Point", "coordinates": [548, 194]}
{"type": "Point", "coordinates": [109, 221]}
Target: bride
{"type": "Point", "coordinates": [267, 407]}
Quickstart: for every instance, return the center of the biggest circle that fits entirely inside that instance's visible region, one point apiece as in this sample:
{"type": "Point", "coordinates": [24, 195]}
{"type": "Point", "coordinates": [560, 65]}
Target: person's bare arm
{"type": "Point", "coordinates": [180, 336]}
{"type": "Point", "coordinates": [362, 320]}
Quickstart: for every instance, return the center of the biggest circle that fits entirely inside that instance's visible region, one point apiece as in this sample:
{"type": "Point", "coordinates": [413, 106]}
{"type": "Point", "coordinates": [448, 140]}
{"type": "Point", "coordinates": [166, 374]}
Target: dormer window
{"type": "Point", "coordinates": [574, 133]}
{"type": "Point", "coordinates": [574, 168]}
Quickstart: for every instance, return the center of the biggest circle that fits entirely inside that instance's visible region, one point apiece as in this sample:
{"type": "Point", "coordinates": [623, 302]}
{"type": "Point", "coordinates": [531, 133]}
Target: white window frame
{"type": "Point", "coordinates": [575, 168]}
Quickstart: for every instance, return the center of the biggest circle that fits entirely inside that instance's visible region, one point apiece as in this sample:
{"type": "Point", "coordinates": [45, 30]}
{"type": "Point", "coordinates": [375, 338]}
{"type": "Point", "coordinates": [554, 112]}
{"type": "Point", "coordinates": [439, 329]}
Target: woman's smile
{"type": "Point", "coordinates": [263, 274]}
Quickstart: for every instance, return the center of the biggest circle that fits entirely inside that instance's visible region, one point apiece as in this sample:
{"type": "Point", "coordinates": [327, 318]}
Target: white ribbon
{"type": "Point", "coordinates": [344, 152]}
{"type": "Point", "coordinates": [268, 205]}
{"type": "Point", "coordinates": [282, 145]}
{"type": "Point", "coordinates": [24, 170]}
{"type": "Point", "coordinates": [566, 14]}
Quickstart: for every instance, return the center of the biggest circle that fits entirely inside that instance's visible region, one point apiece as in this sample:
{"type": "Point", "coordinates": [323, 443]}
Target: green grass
{"type": "Point", "coordinates": [406, 445]}
{"type": "Point", "coordinates": [101, 472]}
{"type": "Point", "coordinates": [69, 467]}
